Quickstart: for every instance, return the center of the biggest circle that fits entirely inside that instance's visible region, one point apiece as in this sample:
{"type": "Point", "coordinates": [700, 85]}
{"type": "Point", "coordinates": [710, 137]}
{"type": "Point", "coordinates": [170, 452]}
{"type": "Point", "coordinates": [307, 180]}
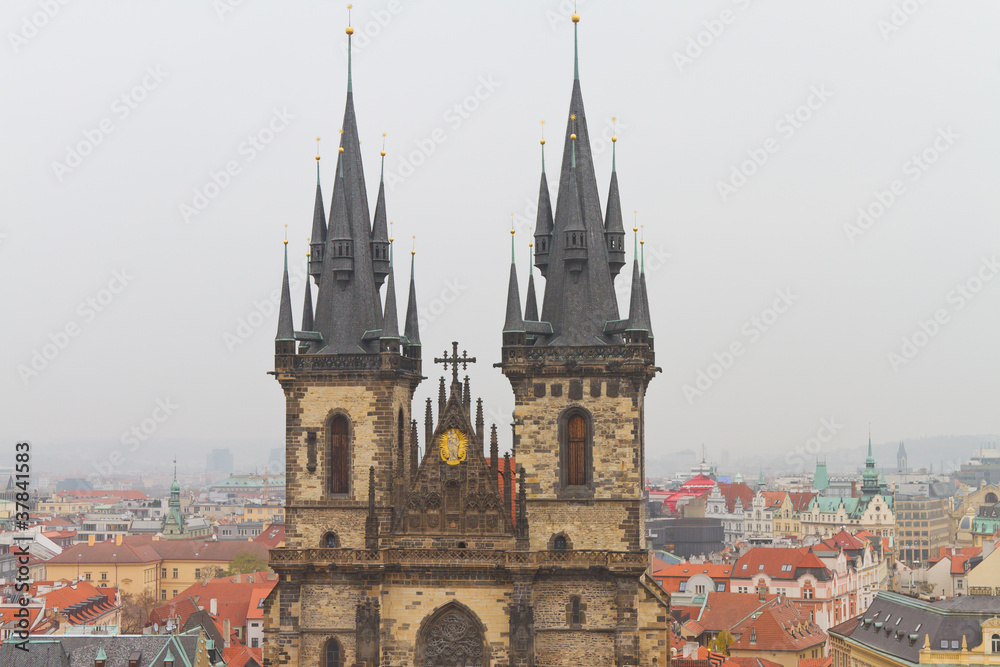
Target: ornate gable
{"type": "Point", "coordinates": [455, 492]}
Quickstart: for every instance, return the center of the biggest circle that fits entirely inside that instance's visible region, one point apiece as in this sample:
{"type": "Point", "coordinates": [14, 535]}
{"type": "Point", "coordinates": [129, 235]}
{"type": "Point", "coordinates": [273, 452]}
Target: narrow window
{"type": "Point", "coordinates": [575, 610]}
{"type": "Point", "coordinates": [338, 455]}
{"type": "Point", "coordinates": [332, 654]}
{"type": "Point", "coordinates": [995, 643]}
{"type": "Point", "coordinates": [576, 451]}
{"type": "Point", "coordinates": [330, 541]}
{"type": "Point", "coordinates": [560, 543]}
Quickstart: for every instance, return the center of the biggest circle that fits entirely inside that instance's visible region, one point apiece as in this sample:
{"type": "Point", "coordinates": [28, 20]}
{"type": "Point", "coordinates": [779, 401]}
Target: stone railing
{"type": "Point", "coordinates": [486, 557]}
{"type": "Point", "coordinates": [983, 590]}
{"type": "Point", "coordinates": [347, 362]}
{"type": "Point", "coordinates": [584, 355]}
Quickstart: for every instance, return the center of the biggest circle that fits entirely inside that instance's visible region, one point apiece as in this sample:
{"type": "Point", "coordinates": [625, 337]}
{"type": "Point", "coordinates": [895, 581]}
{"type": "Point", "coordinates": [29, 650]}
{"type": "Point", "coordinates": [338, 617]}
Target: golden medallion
{"type": "Point", "coordinates": [453, 444]}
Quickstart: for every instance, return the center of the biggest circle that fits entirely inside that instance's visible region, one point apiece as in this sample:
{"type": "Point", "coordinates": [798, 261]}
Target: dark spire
{"type": "Point", "coordinates": [380, 232]}
{"type": "Point", "coordinates": [390, 320]}
{"type": "Point", "coordinates": [442, 398]}
{"type": "Point", "coordinates": [412, 325]}
{"type": "Point", "coordinates": [638, 318]}
{"type": "Point", "coordinates": [513, 322]}
{"type": "Point", "coordinates": [317, 242]}
{"type": "Point", "coordinates": [579, 291]}
{"type": "Point", "coordinates": [286, 329]}
{"type": "Point", "coordinates": [428, 424]}
{"type": "Point", "coordinates": [494, 449]}
{"type": "Point", "coordinates": [479, 420]}
{"type": "Point", "coordinates": [543, 220]}
{"type": "Point", "coordinates": [348, 305]}
{"type": "Point", "coordinates": [414, 462]}
{"type": "Point", "coordinates": [642, 280]}
{"type": "Point", "coordinates": [614, 230]}
{"type": "Point", "coordinates": [530, 300]}
{"type": "Point", "coordinates": [307, 306]}
{"type": "Point", "coordinates": [508, 490]}
{"type": "Point", "coordinates": [467, 395]}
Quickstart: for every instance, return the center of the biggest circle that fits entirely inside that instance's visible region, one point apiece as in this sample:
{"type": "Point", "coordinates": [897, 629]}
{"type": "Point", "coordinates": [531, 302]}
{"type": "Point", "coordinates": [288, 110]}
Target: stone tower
{"type": "Point", "coordinates": [459, 557]}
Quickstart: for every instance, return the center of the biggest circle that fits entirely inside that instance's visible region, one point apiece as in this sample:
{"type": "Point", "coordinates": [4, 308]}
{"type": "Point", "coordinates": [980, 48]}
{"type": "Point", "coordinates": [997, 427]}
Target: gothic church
{"type": "Point", "coordinates": [461, 556]}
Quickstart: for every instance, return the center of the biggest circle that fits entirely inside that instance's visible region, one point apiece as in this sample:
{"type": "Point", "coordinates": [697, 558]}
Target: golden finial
{"type": "Point", "coordinates": [543, 132]}
{"type": "Point", "coordinates": [286, 234]}
{"type": "Point", "coordinates": [635, 221]}
{"type": "Point", "coordinates": [530, 243]}
{"type": "Point", "coordinates": [413, 249]}
{"type": "Point", "coordinates": [642, 234]}
{"type": "Point", "coordinates": [317, 147]}
{"type": "Point", "coordinates": [614, 129]}
{"type": "Point", "coordinates": [391, 239]}
{"type": "Point", "coordinates": [511, 224]}
{"type": "Point", "coordinates": [308, 254]}
{"type": "Point", "coordinates": [340, 150]}
{"type": "Point", "coordinates": [576, 17]}
{"type": "Point", "coordinates": [383, 144]}
{"type": "Point", "coordinates": [350, 30]}
{"type": "Point", "coordinates": [572, 117]}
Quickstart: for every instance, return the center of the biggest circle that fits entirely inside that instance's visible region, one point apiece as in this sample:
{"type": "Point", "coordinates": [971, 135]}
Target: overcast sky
{"type": "Point", "coordinates": [751, 132]}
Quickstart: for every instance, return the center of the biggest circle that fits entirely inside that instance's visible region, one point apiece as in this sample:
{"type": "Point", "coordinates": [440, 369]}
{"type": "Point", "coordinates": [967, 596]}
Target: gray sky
{"type": "Point", "coordinates": [117, 115]}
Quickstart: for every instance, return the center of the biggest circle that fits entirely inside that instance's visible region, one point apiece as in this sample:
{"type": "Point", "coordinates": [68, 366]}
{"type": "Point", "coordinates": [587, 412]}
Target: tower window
{"type": "Point", "coordinates": [332, 654]}
{"type": "Point", "coordinates": [576, 450]}
{"type": "Point", "coordinates": [339, 464]}
{"type": "Point", "coordinates": [575, 610]}
{"type": "Point", "coordinates": [560, 543]}
{"type": "Point", "coordinates": [330, 541]}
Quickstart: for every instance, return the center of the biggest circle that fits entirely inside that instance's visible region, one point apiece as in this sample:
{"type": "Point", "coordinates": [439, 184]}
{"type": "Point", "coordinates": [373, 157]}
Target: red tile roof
{"type": "Point", "coordinates": [179, 607]}
{"type": "Point", "coordinates": [671, 576]}
{"type": "Point", "coordinates": [732, 492]}
{"type": "Point", "coordinates": [106, 552]}
{"type": "Point", "coordinates": [816, 662]}
{"type": "Point", "coordinates": [101, 494]}
{"type": "Point", "coordinates": [846, 541]}
{"type": "Point", "coordinates": [773, 499]}
{"type": "Point", "coordinates": [724, 611]}
{"type": "Point", "coordinates": [780, 627]}
{"type": "Point", "coordinates": [775, 562]}
{"type": "Point", "coordinates": [78, 595]}
{"type": "Point", "coordinates": [233, 596]}
{"type": "Point", "coordinates": [273, 536]}
{"type": "Point", "coordinates": [749, 662]}
{"type": "Point", "coordinates": [801, 499]}
{"type": "Point", "coordinates": [242, 656]}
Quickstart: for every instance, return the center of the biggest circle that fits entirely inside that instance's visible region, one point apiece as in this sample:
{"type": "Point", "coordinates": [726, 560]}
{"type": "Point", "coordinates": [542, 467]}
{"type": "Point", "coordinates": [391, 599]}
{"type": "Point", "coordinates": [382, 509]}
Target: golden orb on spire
{"type": "Point", "coordinates": [614, 139]}
{"type": "Point", "coordinates": [573, 137]}
{"type": "Point", "coordinates": [576, 18]}
{"type": "Point", "coordinates": [340, 150]}
{"type": "Point", "coordinates": [350, 30]}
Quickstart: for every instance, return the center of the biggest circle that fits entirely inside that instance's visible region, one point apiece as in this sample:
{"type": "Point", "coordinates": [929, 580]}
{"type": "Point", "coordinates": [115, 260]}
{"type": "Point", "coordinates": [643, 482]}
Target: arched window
{"type": "Point", "coordinates": [330, 541]}
{"type": "Point", "coordinates": [332, 654]}
{"type": "Point", "coordinates": [576, 451]}
{"type": "Point", "coordinates": [995, 643]}
{"type": "Point", "coordinates": [990, 498]}
{"type": "Point", "coordinates": [339, 462]}
{"type": "Point", "coordinates": [574, 610]}
{"type": "Point", "coordinates": [559, 544]}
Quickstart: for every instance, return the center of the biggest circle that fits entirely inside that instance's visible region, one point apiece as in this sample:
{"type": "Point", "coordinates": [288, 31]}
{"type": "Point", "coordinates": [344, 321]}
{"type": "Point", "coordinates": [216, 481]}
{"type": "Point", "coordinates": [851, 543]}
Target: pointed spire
{"type": "Point", "coordinates": [286, 329]}
{"type": "Point", "coordinates": [381, 238]}
{"type": "Point", "coordinates": [614, 229]}
{"type": "Point", "coordinates": [531, 301]}
{"type": "Point", "coordinates": [390, 320]}
{"type": "Point", "coordinates": [371, 521]}
{"type": "Point", "coordinates": [414, 463]}
{"type": "Point", "coordinates": [428, 424]}
{"type": "Point", "coordinates": [307, 305]}
{"type": "Point", "coordinates": [494, 448]}
{"type": "Point", "coordinates": [479, 420]}
{"type": "Point", "coordinates": [411, 329]}
{"type": "Point", "coordinates": [466, 395]}
{"type": "Point", "coordinates": [576, 46]}
{"type": "Point", "coordinates": [513, 322]}
{"type": "Point", "coordinates": [349, 31]}
{"type": "Point", "coordinates": [642, 284]}
{"type": "Point", "coordinates": [317, 241]}
{"type": "Point", "coordinates": [543, 219]}
{"type": "Point", "coordinates": [442, 398]}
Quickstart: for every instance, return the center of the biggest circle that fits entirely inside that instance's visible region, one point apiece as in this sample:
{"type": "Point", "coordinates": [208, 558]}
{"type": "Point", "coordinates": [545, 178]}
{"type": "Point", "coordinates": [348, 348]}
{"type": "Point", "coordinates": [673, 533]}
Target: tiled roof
{"type": "Point", "coordinates": [780, 627]}
{"type": "Point", "coordinates": [724, 611]}
{"type": "Point", "coordinates": [816, 662]}
{"type": "Point", "coordinates": [779, 563]}
{"type": "Point", "coordinates": [242, 656]}
{"type": "Point", "coordinates": [671, 576]}
{"type": "Point", "coordinates": [179, 607]}
{"type": "Point", "coordinates": [100, 494]}
{"type": "Point", "coordinates": [273, 536]}
{"type": "Point", "coordinates": [845, 541]}
{"type": "Point", "coordinates": [256, 607]}
{"type": "Point", "coordinates": [801, 499]}
{"type": "Point", "coordinates": [732, 492]}
{"type": "Point", "coordinates": [106, 552]}
{"type": "Point", "coordinates": [773, 498]}
{"type": "Point", "coordinates": [81, 602]}
{"type": "Point", "coordinates": [233, 596]}
{"type": "Point", "coordinates": [749, 662]}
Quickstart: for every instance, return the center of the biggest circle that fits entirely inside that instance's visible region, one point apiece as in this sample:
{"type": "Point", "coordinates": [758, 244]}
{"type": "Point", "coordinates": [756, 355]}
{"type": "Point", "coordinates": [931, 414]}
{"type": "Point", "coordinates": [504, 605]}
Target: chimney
{"type": "Point", "coordinates": [213, 607]}
{"type": "Point", "coordinates": [227, 631]}
{"type": "Point", "coordinates": [90, 540]}
{"type": "Point", "coordinates": [118, 540]}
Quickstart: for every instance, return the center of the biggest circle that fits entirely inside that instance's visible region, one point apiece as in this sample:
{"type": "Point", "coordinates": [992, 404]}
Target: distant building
{"type": "Point", "coordinates": [783, 633]}
{"type": "Point", "coordinates": [188, 648]}
{"type": "Point", "coordinates": [902, 463]}
{"type": "Point", "coordinates": [276, 460]}
{"type": "Point", "coordinates": [251, 486]}
{"type": "Point", "coordinates": [921, 528]}
{"type": "Point", "coordinates": [175, 526]}
{"type": "Point", "coordinates": [984, 466]}
{"type": "Point", "coordinates": [685, 537]}
{"type": "Point", "coordinates": [218, 464]}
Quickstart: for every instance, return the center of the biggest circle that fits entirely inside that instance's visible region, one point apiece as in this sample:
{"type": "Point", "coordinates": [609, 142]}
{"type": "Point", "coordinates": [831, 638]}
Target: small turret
{"type": "Point", "coordinates": [513, 326]}
{"type": "Point", "coordinates": [614, 230]}
{"type": "Point", "coordinates": [380, 235]}
{"type": "Point", "coordinates": [389, 339]}
{"type": "Point", "coordinates": [340, 246]}
{"type": "Point", "coordinates": [284, 340]}
{"type": "Point", "coordinates": [411, 327]}
{"type": "Point", "coordinates": [317, 241]}
{"type": "Point", "coordinates": [543, 221]}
